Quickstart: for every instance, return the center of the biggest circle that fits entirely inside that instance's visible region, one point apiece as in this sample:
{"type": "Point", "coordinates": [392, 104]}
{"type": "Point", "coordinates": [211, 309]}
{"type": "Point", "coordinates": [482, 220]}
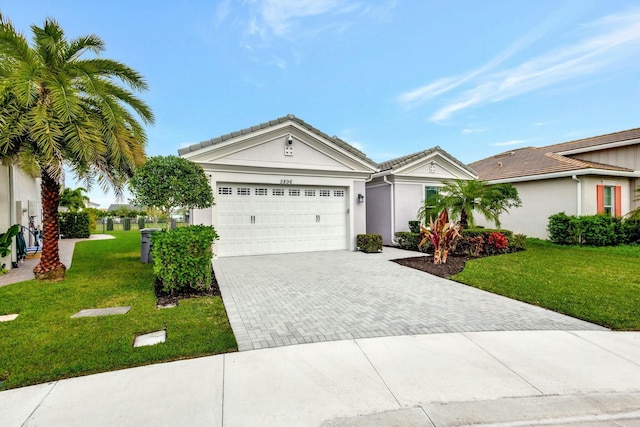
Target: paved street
{"type": "Point", "coordinates": [278, 300]}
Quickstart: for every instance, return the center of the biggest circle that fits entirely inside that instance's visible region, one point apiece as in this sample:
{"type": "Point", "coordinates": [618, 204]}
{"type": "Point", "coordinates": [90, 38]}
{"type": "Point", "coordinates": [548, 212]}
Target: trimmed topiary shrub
{"type": "Point", "coordinates": [74, 225]}
{"type": "Point", "coordinates": [369, 243]}
{"type": "Point", "coordinates": [599, 230]}
{"type": "Point", "coordinates": [182, 257]}
{"type": "Point", "coordinates": [408, 240]}
{"type": "Point", "coordinates": [563, 229]}
{"type": "Point", "coordinates": [414, 227]}
{"type": "Point", "coordinates": [517, 243]}
{"type": "Point", "coordinates": [141, 223]}
{"type": "Point", "coordinates": [109, 224]}
{"type": "Point", "coordinates": [630, 229]}
{"type": "Point", "coordinates": [126, 224]}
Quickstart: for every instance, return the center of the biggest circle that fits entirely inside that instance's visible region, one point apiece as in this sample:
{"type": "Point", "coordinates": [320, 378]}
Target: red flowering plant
{"type": "Point", "coordinates": [496, 243]}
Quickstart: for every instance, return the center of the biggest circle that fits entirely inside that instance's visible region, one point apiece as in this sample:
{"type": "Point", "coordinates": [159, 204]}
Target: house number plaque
{"type": "Point", "coordinates": [286, 181]}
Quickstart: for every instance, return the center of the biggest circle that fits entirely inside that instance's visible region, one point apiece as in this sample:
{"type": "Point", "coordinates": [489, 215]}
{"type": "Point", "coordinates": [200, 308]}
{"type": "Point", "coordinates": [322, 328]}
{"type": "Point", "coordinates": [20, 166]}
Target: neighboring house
{"type": "Point", "coordinates": [283, 186]}
{"type": "Point", "coordinates": [396, 193]}
{"type": "Point", "coordinates": [584, 177]}
{"type": "Point", "coordinates": [19, 200]}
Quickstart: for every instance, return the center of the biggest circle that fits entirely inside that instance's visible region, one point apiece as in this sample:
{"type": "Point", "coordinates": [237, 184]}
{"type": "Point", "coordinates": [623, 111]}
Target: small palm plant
{"type": "Point", "coordinates": [442, 234]}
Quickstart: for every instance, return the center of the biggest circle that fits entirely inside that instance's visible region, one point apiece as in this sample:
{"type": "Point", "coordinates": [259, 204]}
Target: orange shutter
{"type": "Point", "coordinates": [600, 198]}
{"type": "Point", "coordinates": [617, 201]}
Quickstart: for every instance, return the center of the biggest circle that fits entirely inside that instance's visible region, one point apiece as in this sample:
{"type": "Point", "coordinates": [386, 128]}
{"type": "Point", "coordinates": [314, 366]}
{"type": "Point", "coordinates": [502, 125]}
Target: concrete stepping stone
{"type": "Point", "coordinates": [8, 317]}
{"type": "Point", "coordinates": [151, 338]}
{"type": "Point", "coordinates": [170, 305]}
{"type": "Point", "coordinates": [94, 312]}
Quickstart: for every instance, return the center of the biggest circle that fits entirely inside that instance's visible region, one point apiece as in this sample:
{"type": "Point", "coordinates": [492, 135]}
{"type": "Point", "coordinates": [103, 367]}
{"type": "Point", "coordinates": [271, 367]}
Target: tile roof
{"type": "Point", "coordinates": [594, 141]}
{"type": "Point", "coordinates": [410, 158]}
{"type": "Point", "coordinates": [337, 141]}
{"type": "Point", "coordinates": [531, 161]}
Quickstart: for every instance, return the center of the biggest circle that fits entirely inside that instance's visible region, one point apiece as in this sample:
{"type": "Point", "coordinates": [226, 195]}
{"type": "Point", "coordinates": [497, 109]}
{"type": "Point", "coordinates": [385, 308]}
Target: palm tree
{"type": "Point", "coordinates": [73, 200]}
{"type": "Point", "coordinates": [58, 110]}
{"type": "Point", "coordinates": [464, 197]}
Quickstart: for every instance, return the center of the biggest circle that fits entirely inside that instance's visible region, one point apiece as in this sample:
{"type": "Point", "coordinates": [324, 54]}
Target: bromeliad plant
{"type": "Point", "coordinates": [442, 234]}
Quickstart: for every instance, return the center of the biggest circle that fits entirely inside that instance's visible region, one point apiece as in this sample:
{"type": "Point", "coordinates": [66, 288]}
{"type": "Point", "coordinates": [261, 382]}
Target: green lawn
{"type": "Point", "coordinates": [45, 344]}
{"type": "Point", "coordinates": [600, 285]}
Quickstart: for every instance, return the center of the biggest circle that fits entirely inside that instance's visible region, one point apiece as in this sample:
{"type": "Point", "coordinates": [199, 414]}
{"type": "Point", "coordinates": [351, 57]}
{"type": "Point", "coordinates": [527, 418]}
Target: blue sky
{"type": "Point", "coordinates": [390, 77]}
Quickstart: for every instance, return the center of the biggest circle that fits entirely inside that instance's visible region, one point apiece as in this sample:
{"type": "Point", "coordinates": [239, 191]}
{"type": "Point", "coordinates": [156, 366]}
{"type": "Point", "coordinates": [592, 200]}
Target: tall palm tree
{"type": "Point", "coordinates": [464, 197]}
{"type": "Point", "coordinates": [59, 110]}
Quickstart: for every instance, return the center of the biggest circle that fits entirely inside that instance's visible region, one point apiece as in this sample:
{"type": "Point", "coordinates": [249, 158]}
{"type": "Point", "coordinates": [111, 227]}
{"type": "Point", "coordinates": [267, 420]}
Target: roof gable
{"type": "Point", "coordinates": [419, 164]}
{"type": "Point", "coordinates": [264, 146]}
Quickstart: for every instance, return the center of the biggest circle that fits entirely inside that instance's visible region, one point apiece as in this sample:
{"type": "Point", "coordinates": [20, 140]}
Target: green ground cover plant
{"type": "Point", "coordinates": [596, 284]}
{"type": "Point", "coordinates": [45, 344]}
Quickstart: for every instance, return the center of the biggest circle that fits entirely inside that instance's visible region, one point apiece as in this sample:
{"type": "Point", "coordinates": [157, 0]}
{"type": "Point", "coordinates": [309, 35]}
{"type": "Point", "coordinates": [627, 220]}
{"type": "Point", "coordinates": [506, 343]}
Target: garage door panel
{"type": "Point", "coordinates": [261, 219]}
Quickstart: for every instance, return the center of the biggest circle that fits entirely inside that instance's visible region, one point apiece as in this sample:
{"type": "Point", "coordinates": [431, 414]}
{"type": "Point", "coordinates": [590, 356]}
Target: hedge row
{"type": "Point", "coordinates": [74, 225]}
{"type": "Point", "coordinates": [592, 230]}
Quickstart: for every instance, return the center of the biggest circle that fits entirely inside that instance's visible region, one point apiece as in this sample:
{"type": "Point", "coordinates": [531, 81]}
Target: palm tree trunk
{"type": "Point", "coordinates": [463, 218]}
{"type": "Point", "coordinates": [50, 267]}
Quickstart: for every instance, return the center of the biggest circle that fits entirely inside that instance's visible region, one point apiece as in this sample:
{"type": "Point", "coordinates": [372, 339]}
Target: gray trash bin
{"type": "Point", "coordinates": [145, 244]}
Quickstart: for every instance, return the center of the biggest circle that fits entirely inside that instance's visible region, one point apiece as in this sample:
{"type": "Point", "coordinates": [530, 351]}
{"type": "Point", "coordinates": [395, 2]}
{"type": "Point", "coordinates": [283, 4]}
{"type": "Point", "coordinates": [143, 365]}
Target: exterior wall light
{"type": "Point", "coordinates": [360, 198]}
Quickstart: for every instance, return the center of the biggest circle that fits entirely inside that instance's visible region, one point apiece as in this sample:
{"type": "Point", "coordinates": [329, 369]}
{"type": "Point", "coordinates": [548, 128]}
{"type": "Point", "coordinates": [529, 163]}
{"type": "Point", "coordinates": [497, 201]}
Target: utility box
{"type": "Point", "coordinates": [145, 244]}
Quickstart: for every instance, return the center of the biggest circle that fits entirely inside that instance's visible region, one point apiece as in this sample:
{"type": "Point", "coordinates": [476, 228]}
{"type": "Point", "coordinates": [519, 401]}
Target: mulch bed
{"type": "Point", "coordinates": [455, 264]}
{"type": "Point", "coordinates": [164, 298]}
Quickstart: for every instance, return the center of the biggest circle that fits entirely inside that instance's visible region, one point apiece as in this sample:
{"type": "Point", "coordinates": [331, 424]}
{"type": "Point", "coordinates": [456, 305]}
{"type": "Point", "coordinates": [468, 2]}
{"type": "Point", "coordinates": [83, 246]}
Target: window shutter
{"type": "Point", "coordinates": [600, 198]}
{"type": "Point", "coordinates": [617, 201]}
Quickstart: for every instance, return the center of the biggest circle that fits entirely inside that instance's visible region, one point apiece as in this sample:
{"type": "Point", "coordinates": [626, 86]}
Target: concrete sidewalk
{"type": "Point", "coordinates": [586, 378]}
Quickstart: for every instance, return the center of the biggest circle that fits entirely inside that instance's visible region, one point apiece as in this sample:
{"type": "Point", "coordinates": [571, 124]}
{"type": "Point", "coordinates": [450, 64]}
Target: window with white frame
{"type": "Point", "coordinates": [609, 199]}
{"type": "Point", "coordinates": [225, 191]}
{"type": "Point", "coordinates": [430, 195]}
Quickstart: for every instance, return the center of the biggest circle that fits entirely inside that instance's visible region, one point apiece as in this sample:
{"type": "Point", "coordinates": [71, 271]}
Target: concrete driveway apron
{"type": "Point", "coordinates": [278, 300]}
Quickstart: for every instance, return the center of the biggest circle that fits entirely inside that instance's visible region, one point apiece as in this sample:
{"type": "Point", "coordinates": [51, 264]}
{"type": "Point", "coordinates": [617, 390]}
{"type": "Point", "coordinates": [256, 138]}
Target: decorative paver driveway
{"type": "Point", "coordinates": [276, 300]}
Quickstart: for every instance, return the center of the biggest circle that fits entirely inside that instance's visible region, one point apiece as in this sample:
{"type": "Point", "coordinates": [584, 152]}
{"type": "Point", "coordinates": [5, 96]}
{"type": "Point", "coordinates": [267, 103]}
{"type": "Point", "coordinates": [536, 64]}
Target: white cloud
{"type": "Point", "coordinates": [281, 18]}
{"type": "Point", "coordinates": [510, 142]}
{"type": "Point", "coordinates": [468, 131]}
{"type": "Point", "coordinates": [222, 11]}
{"type": "Point", "coordinates": [416, 97]}
{"type": "Point", "coordinates": [279, 15]}
{"type": "Point", "coordinates": [616, 37]}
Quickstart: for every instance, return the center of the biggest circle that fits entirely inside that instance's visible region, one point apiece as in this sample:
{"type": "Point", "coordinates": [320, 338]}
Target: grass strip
{"type": "Point", "coordinates": [44, 344]}
{"type": "Point", "coordinates": [597, 284]}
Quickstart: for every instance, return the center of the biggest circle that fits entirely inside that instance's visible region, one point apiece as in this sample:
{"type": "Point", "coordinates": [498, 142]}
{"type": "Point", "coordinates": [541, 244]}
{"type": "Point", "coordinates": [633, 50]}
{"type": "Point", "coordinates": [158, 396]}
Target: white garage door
{"type": "Point", "coordinates": [264, 219]}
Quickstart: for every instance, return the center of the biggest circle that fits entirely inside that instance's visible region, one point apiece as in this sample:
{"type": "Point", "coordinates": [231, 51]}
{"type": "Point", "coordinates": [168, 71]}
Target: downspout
{"type": "Point", "coordinates": [393, 210]}
{"type": "Point", "coordinates": [12, 212]}
{"type": "Point", "coordinates": [578, 194]}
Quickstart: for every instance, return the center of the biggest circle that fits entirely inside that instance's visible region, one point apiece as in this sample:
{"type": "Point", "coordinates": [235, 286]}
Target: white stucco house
{"type": "Point", "coordinates": [283, 186]}
{"type": "Point", "coordinates": [396, 192]}
{"type": "Point", "coordinates": [583, 177]}
{"type": "Point", "coordinates": [19, 199]}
